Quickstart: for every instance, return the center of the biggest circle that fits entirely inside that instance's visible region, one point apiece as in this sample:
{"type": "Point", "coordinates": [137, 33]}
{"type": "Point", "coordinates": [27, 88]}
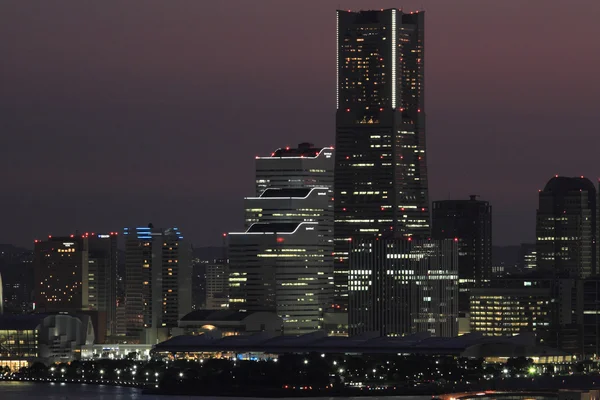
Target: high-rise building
{"type": "Point", "coordinates": [566, 228]}
{"type": "Point", "coordinates": [380, 161]}
{"type": "Point", "coordinates": [102, 277]}
{"type": "Point", "coordinates": [78, 273]}
{"type": "Point", "coordinates": [283, 261]}
{"type": "Point", "coordinates": [301, 167]}
{"type": "Point", "coordinates": [470, 221]}
{"type": "Point", "coordinates": [16, 268]}
{"type": "Point", "coordinates": [158, 281]}
{"type": "Point", "coordinates": [217, 284]}
{"type": "Point", "coordinates": [61, 273]}
{"type": "Point", "coordinates": [401, 286]}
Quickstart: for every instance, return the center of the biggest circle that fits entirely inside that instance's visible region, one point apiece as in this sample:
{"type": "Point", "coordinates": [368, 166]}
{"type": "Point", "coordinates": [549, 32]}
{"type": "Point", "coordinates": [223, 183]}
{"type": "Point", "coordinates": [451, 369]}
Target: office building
{"type": "Point", "coordinates": [217, 285]}
{"type": "Point", "coordinates": [401, 286]}
{"type": "Point", "coordinates": [301, 167]}
{"type": "Point", "coordinates": [61, 273]}
{"type": "Point", "coordinates": [470, 221]}
{"type": "Point", "coordinates": [527, 257]}
{"type": "Point", "coordinates": [503, 311]}
{"type": "Point", "coordinates": [158, 281]}
{"type": "Point", "coordinates": [562, 312]}
{"type": "Point", "coordinates": [380, 161]}
{"type": "Point", "coordinates": [283, 261]}
{"type": "Point", "coordinates": [566, 228]}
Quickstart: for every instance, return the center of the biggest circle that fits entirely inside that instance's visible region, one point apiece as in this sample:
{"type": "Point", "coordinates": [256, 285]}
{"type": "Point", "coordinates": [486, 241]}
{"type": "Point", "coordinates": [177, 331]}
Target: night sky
{"type": "Point", "coordinates": [117, 113]}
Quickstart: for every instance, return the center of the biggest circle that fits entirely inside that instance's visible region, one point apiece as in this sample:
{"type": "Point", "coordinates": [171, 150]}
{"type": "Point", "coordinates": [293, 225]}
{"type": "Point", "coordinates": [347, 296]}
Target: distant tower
{"type": "Point", "coordinates": [566, 228]}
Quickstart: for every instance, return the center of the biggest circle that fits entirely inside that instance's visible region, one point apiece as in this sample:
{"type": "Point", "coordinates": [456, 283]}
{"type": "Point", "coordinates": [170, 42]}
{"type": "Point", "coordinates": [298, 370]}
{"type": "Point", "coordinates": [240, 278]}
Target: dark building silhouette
{"type": "Point", "coordinates": [470, 221]}
{"type": "Point", "coordinates": [566, 228]}
{"type": "Point", "coordinates": [527, 257]}
{"type": "Point", "coordinates": [380, 170]}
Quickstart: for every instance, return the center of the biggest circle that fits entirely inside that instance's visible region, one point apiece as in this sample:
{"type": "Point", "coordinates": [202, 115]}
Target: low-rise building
{"type": "Point", "coordinates": [46, 338]}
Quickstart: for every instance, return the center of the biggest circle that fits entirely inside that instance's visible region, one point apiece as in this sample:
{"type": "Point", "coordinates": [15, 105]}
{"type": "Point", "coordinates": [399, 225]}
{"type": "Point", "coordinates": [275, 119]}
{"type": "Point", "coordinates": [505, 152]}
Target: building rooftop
{"type": "Point", "coordinates": [216, 315]}
{"type": "Point", "coordinates": [420, 343]}
{"type": "Point", "coordinates": [304, 150]}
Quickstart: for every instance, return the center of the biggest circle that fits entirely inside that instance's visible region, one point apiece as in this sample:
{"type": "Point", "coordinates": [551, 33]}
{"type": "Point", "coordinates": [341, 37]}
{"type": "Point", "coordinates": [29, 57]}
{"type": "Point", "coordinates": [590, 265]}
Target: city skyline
{"type": "Point", "coordinates": [96, 119]}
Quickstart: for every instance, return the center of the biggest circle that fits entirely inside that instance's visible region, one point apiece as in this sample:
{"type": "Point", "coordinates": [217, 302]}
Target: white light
{"type": "Point", "coordinates": [394, 45]}
{"type": "Point", "coordinates": [337, 59]}
{"type": "Point", "coordinates": [305, 362]}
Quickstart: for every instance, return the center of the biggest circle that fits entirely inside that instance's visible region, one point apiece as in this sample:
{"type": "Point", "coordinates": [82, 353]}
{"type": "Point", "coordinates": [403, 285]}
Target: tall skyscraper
{"type": "Point", "coordinates": [283, 260]}
{"type": "Point", "coordinates": [470, 221]}
{"type": "Point", "coordinates": [158, 281]}
{"type": "Point", "coordinates": [402, 286]}
{"type": "Point", "coordinates": [381, 168]}
{"type": "Point", "coordinates": [566, 228]}
{"type": "Point", "coordinates": [102, 277]}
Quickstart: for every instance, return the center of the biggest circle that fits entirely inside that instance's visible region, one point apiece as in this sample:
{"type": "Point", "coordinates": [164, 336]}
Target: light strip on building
{"type": "Point", "coordinates": [273, 233]}
{"type": "Point", "coordinates": [337, 59]}
{"type": "Point", "coordinates": [286, 197]}
{"type": "Point", "coordinates": [307, 157]}
{"type": "Point", "coordinates": [394, 45]}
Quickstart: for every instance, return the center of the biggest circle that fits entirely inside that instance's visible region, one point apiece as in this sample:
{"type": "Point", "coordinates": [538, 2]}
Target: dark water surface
{"type": "Point", "coordinates": [57, 391]}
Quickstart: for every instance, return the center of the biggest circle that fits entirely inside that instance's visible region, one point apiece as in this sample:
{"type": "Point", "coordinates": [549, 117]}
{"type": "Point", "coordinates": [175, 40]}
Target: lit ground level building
{"type": "Point", "coordinates": [265, 346]}
{"type": "Point", "coordinates": [115, 351]}
{"type": "Point", "coordinates": [563, 313]}
{"type": "Point", "coordinates": [25, 339]}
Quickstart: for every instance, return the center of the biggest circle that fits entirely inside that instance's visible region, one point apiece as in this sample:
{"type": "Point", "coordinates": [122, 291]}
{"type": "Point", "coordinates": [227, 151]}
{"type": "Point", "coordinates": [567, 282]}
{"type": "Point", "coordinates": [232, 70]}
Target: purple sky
{"type": "Point", "coordinates": [116, 113]}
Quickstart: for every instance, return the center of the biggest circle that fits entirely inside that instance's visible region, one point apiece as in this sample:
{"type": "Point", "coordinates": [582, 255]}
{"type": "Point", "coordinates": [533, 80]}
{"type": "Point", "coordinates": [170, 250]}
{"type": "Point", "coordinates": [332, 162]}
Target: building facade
{"type": "Point", "coordinates": [283, 260]}
{"type": "Point", "coordinates": [158, 281]}
{"type": "Point", "coordinates": [401, 286]}
{"type": "Point", "coordinates": [510, 311]}
{"type": "Point", "coordinates": [102, 278]}
{"type": "Point", "coordinates": [470, 221]}
{"type": "Point", "coordinates": [217, 284]}
{"type": "Point", "coordinates": [527, 257]}
{"type": "Point", "coordinates": [566, 228]}
{"type": "Point", "coordinates": [280, 267]}
{"type": "Point", "coordinates": [61, 273]}
{"type": "Point", "coordinates": [381, 167]}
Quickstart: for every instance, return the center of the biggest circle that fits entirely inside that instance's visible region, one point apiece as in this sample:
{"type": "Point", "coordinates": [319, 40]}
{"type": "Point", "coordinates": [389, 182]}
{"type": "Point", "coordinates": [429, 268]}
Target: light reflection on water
{"type": "Point", "coordinates": [57, 391]}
